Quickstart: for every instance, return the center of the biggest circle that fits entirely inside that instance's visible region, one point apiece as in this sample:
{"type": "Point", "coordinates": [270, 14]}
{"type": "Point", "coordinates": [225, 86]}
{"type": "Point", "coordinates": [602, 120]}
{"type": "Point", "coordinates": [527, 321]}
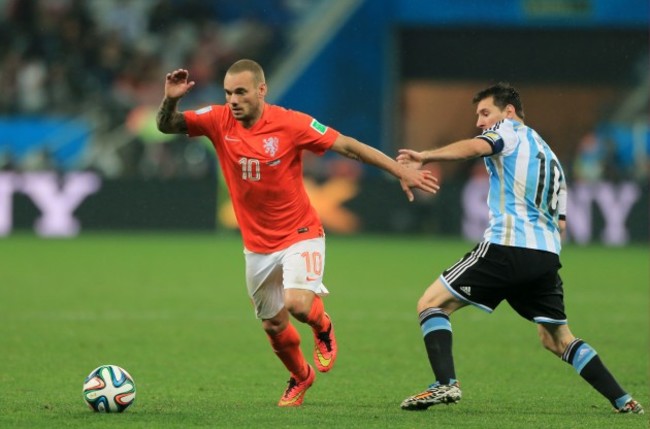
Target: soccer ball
{"type": "Point", "coordinates": [109, 388]}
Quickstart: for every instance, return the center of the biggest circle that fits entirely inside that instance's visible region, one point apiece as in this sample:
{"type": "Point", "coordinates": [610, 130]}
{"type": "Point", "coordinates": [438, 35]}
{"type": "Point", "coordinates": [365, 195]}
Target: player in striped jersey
{"type": "Point", "coordinates": [518, 259]}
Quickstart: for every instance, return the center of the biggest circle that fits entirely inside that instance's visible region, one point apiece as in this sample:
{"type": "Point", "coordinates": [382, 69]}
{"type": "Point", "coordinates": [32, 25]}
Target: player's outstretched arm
{"type": "Point", "coordinates": [409, 178]}
{"type": "Point", "coordinates": [168, 118]}
{"type": "Point", "coordinates": [457, 151]}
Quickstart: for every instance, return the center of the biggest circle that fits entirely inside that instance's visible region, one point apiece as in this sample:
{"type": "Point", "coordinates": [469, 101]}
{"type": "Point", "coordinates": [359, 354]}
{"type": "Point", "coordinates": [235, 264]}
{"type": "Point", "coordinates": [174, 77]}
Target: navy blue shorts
{"type": "Point", "coordinates": [527, 279]}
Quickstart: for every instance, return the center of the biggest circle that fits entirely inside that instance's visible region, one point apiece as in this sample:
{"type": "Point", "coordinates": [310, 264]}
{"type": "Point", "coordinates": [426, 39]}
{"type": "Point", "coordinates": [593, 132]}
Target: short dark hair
{"type": "Point", "coordinates": [250, 66]}
{"type": "Point", "coordinates": [503, 94]}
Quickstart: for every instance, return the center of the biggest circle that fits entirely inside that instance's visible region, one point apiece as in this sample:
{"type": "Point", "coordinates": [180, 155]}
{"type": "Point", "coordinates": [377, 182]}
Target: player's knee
{"type": "Point", "coordinates": [423, 303]}
{"type": "Point", "coordinates": [300, 314]}
{"type": "Point", "coordinates": [555, 338]}
{"type": "Point", "coordinates": [276, 324]}
{"type": "Point", "coordinates": [298, 302]}
{"type": "Point", "coordinates": [437, 296]}
{"type": "Point", "coordinates": [298, 308]}
{"type": "Point", "coordinates": [272, 327]}
{"type": "Point", "coordinates": [552, 344]}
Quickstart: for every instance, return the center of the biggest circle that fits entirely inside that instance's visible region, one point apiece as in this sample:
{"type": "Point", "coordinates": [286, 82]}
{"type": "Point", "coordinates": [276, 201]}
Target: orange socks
{"type": "Point", "coordinates": [316, 318]}
{"type": "Point", "coordinates": [286, 346]}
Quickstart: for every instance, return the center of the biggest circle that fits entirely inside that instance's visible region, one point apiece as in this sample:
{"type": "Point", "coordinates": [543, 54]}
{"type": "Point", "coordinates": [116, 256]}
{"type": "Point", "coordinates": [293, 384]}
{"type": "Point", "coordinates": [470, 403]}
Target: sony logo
{"type": "Point", "coordinates": [56, 196]}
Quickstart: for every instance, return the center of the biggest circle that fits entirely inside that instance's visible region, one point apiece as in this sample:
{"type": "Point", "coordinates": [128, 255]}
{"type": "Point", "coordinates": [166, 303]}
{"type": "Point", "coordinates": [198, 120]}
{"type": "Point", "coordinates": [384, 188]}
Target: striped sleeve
{"type": "Point", "coordinates": [562, 201]}
{"type": "Point", "coordinates": [494, 139]}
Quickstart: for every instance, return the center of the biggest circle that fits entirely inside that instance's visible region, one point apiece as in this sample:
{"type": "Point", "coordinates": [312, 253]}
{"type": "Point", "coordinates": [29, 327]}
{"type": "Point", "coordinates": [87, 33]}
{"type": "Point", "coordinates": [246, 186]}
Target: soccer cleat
{"type": "Point", "coordinates": [295, 392]}
{"type": "Point", "coordinates": [631, 406]}
{"type": "Point", "coordinates": [436, 394]}
{"type": "Point", "coordinates": [325, 348]}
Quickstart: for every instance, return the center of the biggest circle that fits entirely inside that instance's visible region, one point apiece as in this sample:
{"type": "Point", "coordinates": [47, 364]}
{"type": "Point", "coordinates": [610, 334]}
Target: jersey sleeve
{"type": "Point", "coordinates": [311, 135]}
{"type": "Point", "coordinates": [199, 122]}
{"type": "Point", "coordinates": [501, 136]}
{"type": "Point", "coordinates": [562, 196]}
{"type": "Point", "coordinates": [562, 201]}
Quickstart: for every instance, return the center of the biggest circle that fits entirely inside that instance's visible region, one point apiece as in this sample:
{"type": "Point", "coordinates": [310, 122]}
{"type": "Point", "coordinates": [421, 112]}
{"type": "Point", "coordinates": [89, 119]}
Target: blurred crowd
{"type": "Point", "coordinates": [614, 152]}
{"type": "Point", "coordinates": [104, 61]}
{"type": "Point", "coordinates": [618, 148]}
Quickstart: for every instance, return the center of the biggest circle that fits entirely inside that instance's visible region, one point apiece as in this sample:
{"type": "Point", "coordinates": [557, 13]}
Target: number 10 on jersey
{"type": "Point", "coordinates": [250, 169]}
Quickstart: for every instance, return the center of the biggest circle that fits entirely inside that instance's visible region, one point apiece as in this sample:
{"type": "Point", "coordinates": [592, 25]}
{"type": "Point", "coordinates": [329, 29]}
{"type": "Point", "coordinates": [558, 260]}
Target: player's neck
{"type": "Point", "coordinates": [516, 118]}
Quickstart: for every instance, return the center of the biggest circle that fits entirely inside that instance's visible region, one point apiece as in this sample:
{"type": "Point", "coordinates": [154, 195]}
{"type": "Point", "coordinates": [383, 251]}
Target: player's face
{"type": "Point", "coordinates": [244, 97]}
{"type": "Point", "coordinates": [489, 114]}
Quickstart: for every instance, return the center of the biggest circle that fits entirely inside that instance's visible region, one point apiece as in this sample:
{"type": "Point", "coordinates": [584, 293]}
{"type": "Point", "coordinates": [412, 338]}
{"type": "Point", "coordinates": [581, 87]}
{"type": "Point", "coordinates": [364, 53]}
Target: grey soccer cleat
{"type": "Point", "coordinates": [436, 394]}
{"type": "Point", "coordinates": [631, 406]}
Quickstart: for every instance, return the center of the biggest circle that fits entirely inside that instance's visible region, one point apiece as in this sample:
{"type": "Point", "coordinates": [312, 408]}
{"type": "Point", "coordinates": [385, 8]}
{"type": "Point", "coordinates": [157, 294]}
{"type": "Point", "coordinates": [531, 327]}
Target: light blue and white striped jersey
{"type": "Point", "coordinates": [527, 188]}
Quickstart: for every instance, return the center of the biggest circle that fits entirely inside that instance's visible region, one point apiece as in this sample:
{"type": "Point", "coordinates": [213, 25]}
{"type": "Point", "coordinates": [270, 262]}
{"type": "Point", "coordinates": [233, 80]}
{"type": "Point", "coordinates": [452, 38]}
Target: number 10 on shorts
{"type": "Point", "coordinates": [313, 263]}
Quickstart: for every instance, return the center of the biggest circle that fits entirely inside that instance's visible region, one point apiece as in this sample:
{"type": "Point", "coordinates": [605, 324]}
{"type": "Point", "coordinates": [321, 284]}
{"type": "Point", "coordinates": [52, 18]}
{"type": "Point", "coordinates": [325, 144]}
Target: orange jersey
{"type": "Point", "coordinates": [263, 169]}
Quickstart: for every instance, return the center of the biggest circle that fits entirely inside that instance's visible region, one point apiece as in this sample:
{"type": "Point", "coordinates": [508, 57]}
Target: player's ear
{"type": "Point", "coordinates": [262, 89]}
{"type": "Point", "coordinates": [511, 112]}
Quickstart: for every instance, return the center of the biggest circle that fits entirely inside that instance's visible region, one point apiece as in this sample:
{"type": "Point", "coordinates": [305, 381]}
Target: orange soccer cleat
{"type": "Point", "coordinates": [325, 348]}
{"type": "Point", "coordinates": [295, 392]}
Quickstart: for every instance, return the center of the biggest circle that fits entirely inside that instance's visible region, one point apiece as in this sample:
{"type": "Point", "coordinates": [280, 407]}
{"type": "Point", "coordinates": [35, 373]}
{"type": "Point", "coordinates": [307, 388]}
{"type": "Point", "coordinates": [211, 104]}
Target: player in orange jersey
{"type": "Point", "coordinates": [259, 147]}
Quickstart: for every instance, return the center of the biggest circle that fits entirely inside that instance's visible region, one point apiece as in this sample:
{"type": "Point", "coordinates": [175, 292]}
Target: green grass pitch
{"type": "Point", "coordinates": [173, 311]}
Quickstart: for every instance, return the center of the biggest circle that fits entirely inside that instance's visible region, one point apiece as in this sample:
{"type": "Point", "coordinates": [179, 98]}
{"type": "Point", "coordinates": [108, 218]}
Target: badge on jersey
{"type": "Point", "coordinates": [494, 139]}
{"type": "Point", "coordinates": [271, 145]}
{"type": "Point", "coordinates": [318, 126]}
{"type": "Point", "coordinates": [204, 110]}
{"type": "Point", "coordinates": [491, 135]}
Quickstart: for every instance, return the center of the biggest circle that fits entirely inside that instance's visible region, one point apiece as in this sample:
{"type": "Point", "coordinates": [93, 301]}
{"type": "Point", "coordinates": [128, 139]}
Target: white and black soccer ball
{"type": "Point", "coordinates": [109, 388]}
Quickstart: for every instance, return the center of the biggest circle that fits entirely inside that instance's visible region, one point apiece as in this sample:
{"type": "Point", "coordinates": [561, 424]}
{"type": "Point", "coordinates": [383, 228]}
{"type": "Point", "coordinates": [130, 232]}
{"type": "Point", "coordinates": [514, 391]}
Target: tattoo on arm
{"type": "Point", "coordinates": [169, 119]}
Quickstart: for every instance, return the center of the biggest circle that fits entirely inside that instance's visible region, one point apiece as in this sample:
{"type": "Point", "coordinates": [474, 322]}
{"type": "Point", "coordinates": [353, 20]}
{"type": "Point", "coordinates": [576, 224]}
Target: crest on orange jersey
{"type": "Point", "coordinates": [271, 145]}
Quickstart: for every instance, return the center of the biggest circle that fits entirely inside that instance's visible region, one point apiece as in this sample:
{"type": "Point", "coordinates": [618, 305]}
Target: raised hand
{"type": "Point", "coordinates": [410, 158]}
{"type": "Point", "coordinates": [177, 84]}
{"type": "Point", "coordinates": [420, 179]}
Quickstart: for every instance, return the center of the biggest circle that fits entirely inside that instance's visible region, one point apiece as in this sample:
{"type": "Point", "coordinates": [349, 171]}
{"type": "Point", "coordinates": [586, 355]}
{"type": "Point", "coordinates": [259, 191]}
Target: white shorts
{"type": "Point", "coordinates": [299, 266]}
